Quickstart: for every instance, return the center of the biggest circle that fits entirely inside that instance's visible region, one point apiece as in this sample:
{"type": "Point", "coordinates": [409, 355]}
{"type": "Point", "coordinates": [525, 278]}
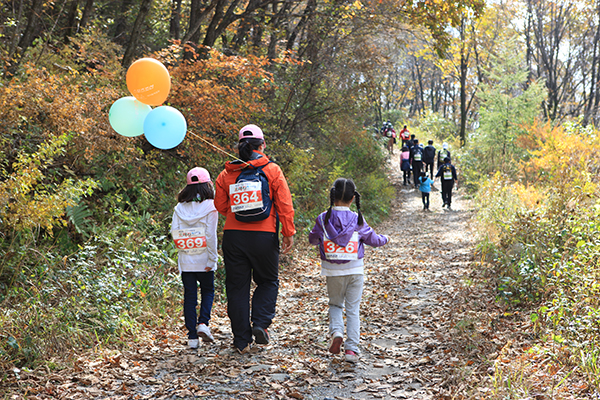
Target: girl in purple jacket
{"type": "Point", "coordinates": [341, 235]}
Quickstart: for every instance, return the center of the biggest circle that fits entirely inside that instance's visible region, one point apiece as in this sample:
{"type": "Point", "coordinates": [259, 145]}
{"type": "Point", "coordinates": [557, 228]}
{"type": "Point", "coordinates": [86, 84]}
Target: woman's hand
{"type": "Point", "coordinates": [287, 243]}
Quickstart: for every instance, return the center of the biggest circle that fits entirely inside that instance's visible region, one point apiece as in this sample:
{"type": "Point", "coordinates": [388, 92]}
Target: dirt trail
{"type": "Point", "coordinates": [409, 294]}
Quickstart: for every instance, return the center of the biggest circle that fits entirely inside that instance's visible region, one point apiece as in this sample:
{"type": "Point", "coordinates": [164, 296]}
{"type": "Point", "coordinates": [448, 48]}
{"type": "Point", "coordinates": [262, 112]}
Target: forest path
{"type": "Point", "coordinates": [409, 297]}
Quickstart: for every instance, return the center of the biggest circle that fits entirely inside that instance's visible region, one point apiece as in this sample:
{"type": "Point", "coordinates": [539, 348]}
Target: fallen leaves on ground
{"type": "Point", "coordinates": [413, 290]}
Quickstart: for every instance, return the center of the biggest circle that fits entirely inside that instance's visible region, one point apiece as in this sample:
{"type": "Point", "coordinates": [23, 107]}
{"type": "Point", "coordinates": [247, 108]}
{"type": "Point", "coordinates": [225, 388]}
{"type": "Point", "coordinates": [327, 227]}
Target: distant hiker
{"type": "Point", "coordinates": [341, 235]}
{"type": "Point", "coordinates": [425, 188]}
{"type": "Point", "coordinates": [442, 154]}
{"type": "Point", "coordinates": [410, 142]}
{"type": "Point", "coordinates": [194, 230]}
{"type": "Point", "coordinates": [388, 131]}
{"type": "Point", "coordinates": [447, 174]}
{"type": "Point", "coordinates": [404, 135]}
{"type": "Point", "coordinates": [416, 160]}
{"type": "Point", "coordinates": [254, 196]}
{"type": "Point", "coordinates": [405, 164]}
{"type": "Point", "coordinates": [429, 157]}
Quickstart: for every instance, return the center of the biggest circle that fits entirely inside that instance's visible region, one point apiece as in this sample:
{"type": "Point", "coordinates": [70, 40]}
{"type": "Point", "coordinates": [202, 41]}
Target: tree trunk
{"type": "Point", "coordinates": [464, 69]}
{"type": "Point", "coordinates": [120, 29]}
{"type": "Point", "coordinates": [175, 21]}
{"type": "Point", "coordinates": [71, 27]}
{"type": "Point", "coordinates": [85, 16]}
{"type": "Point", "coordinates": [31, 30]}
{"type": "Point", "coordinates": [311, 6]}
{"type": "Point", "coordinates": [14, 40]}
{"type": "Point", "coordinates": [135, 32]}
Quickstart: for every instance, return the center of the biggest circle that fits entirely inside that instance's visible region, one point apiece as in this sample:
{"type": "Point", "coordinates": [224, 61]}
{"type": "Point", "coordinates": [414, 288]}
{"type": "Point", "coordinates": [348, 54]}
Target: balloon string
{"type": "Point", "coordinates": [218, 148]}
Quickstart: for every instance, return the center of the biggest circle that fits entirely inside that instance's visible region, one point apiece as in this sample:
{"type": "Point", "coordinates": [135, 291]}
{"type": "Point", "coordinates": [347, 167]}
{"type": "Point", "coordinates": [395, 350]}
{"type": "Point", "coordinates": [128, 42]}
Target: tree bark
{"type": "Point", "coordinates": [85, 16]}
{"type": "Point", "coordinates": [135, 32]}
{"type": "Point", "coordinates": [120, 28]}
{"type": "Point", "coordinates": [31, 30]}
{"type": "Point", "coordinates": [71, 27]}
{"type": "Point", "coordinates": [14, 40]}
{"type": "Point", "coordinates": [464, 69]}
{"type": "Point", "coordinates": [175, 21]}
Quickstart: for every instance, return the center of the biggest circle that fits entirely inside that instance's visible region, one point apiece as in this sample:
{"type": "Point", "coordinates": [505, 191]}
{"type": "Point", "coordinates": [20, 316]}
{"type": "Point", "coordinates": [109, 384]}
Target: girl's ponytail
{"type": "Point", "coordinates": [361, 221]}
{"type": "Point", "coordinates": [331, 201]}
{"type": "Point", "coordinates": [247, 146]}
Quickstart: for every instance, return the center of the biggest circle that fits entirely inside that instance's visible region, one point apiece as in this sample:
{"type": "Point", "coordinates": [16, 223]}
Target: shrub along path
{"type": "Point", "coordinates": [409, 297]}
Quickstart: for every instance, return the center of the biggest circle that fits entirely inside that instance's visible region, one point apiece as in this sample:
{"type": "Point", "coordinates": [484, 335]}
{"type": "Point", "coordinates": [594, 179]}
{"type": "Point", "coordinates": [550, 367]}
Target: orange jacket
{"type": "Point", "coordinates": [280, 195]}
{"type": "Point", "coordinates": [405, 134]}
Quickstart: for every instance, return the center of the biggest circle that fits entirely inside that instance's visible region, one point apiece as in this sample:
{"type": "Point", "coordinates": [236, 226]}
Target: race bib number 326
{"type": "Point", "coordinates": [245, 196]}
{"type": "Point", "coordinates": [334, 251]}
{"type": "Point", "coordinates": [190, 241]}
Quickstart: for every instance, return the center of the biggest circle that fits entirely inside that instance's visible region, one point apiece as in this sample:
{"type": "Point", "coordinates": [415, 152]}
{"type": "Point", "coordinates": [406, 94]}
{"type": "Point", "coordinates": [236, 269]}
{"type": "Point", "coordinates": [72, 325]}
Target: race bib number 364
{"type": "Point", "coordinates": [334, 251]}
{"type": "Point", "coordinates": [190, 241]}
{"type": "Point", "coordinates": [245, 196]}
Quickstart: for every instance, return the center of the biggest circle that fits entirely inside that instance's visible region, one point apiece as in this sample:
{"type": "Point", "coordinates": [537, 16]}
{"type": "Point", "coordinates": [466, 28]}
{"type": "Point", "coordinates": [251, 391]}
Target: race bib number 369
{"type": "Point", "coordinates": [337, 252]}
{"type": "Point", "coordinates": [190, 241]}
{"type": "Point", "coordinates": [245, 196]}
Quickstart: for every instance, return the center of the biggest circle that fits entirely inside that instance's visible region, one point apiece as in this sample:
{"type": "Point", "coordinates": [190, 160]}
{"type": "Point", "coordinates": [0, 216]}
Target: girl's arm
{"type": "Point", "coordinates": [211, 239]}
{"type": "Point", "coordinates": [316, 234]}
{"type": "Point", "coordinates": [368, 236]}
{"type": "Point", "coordinates": [175, 223]}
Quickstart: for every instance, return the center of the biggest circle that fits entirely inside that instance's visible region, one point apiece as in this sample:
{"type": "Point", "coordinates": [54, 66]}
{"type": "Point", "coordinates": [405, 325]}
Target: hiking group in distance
{"type": "Point", "coordinates": [418, 162]}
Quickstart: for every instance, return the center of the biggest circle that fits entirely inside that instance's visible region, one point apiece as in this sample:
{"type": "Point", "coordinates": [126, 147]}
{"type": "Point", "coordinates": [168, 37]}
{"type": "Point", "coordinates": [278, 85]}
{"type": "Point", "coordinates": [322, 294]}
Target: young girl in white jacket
{"type": "Point", "coordinates": [194, 230]}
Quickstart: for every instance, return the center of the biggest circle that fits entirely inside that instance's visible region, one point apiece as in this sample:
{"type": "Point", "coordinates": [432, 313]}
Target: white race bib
{"type": "Point", "coordinates": [245, 196]}
{"type": "Point", "coordinates": [417, 157]}
{"type": "Point", "coordinates": [448, 175]}
{"type": "Point", "coordinates": [336, 252]}
{"type": "Point", "coordinates": [190, 240]}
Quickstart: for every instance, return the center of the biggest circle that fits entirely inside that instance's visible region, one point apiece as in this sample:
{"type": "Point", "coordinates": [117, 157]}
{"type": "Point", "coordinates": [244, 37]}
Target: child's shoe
{"type": "Point", "coordinates": [351, 356]}
{"type": "Point", "coordinates": [193, 343]}
{"type": "Point", "coordinates": [204, 333]}
{"type": "Point", "coordinates": [336, 343]}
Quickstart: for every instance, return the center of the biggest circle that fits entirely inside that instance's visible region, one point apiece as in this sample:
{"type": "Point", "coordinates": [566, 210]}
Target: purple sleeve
{"type": "Point", "coordinates": [316, 234]}
{"type": "Point", "coordinates": [369, 237]}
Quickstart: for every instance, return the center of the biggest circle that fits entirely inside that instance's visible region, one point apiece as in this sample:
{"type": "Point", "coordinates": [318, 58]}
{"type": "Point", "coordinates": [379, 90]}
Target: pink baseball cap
{"type": "Point", "coordinates": [251, 131]}
{"type": "Point", "coordinates": [200, 174]}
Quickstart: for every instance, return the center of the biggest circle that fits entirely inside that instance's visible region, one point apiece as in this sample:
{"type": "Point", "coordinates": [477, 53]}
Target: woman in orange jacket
{"type": "Point", "coordinates": [253, 208]}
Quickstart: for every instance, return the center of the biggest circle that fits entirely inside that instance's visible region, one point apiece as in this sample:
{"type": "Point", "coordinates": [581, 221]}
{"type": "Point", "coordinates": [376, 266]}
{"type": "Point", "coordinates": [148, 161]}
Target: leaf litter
{"type": "Point", "coordinates": [407, 322]}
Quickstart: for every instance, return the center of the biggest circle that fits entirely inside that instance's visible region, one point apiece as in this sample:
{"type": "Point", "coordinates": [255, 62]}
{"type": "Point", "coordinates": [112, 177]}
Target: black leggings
{"type": "Point", "coordinates": [425, 197]}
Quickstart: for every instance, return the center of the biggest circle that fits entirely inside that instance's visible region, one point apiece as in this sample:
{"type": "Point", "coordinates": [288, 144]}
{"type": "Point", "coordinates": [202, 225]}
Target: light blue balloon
{"type": "Point", "coordinates": [165, 127]}
{"type": "Point", "coordinates": [127, 115]}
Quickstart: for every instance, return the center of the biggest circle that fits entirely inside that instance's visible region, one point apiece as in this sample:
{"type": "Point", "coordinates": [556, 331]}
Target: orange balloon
{"type": "Point", "coordinates": [148, 81]}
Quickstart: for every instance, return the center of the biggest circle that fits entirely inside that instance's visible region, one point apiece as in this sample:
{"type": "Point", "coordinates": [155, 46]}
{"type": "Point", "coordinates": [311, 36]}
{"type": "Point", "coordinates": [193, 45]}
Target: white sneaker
{"type": "Point", "coordinates": [193, 343]}
{"type": "Point", "coordinates": [351, 356]}
{"type": "Point", "coordinates": [204, 333]}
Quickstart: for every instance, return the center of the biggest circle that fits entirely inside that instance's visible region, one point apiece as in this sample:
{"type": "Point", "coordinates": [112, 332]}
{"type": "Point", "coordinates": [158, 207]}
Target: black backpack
{"type": "Point", "coordinates": [428, 154]}
{"type": "Point", "coordinates": [250, 196]}
{"type": "Point", "coordinates": [417, 154]}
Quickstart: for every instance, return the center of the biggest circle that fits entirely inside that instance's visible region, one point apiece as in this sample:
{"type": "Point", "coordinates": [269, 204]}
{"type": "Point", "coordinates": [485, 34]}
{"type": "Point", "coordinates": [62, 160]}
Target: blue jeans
{"type": "Point", "coordinates": [190, 299]}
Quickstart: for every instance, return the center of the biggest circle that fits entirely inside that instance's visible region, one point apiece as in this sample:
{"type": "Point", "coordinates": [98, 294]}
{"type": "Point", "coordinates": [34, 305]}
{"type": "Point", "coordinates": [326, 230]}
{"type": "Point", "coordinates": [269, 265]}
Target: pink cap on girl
{"type": "Point", "coordinates": [251, 131]}
{"type": "Point", "coordinates": [197, 175]}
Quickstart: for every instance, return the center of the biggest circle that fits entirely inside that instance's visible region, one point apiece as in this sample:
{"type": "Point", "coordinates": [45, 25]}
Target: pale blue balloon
{"type": "Point", "coordinates": [127, 115]}
{"type": "Point", "coordinates": [165, 127]}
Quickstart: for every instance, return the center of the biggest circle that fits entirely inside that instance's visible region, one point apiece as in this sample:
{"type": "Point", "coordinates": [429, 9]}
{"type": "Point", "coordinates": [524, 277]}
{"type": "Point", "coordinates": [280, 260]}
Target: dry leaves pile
{"type": "Point", "coordinates": [411, 293]}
